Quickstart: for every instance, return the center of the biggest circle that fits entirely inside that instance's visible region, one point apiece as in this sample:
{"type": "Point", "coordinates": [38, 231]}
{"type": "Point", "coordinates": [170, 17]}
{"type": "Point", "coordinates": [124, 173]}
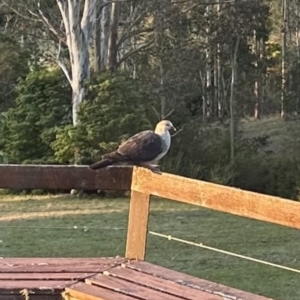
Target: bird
{"type": "Point", "coordinates": [143, 149]}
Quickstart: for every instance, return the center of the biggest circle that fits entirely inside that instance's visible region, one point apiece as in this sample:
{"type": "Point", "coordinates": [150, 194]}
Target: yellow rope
{"type": "Point", "coordinates": [169, 237]}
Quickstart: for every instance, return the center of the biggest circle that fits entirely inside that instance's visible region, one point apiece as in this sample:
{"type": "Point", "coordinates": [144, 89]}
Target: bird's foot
{"type": "Point", "coordinates": [155, 169]}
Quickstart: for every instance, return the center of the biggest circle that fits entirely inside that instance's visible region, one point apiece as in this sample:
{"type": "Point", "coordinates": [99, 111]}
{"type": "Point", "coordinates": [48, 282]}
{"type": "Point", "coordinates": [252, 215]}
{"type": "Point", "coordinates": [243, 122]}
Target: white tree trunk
{"type": "Point", "coordinates": [257, 77]}
{"type": "Point", "coordinates": [232, 98]}
{"type": "Point", "coordinates": [283, 58]}
{"type": "Point", "coordinates": [208, 58]}
{"type": "Point", "coordinates": [78, 32]}
{"type": "Point", "coordinates": [97, 35]}
{"type": "Point", "coordinates": [104, 39]}
{"type": "Point", "coordinates": [219, 72]}
{"type": "Point", "coordinates": [112, 43]}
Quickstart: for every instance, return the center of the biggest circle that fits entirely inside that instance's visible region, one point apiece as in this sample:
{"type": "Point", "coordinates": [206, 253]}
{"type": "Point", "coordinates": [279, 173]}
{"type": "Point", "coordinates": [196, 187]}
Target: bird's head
{"type": "Point", "coordinates": [163, 126]}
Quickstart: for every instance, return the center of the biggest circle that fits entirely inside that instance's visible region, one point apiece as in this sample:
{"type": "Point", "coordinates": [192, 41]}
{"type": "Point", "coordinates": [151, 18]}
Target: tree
{"type": "Point", "coordinates": [73, 30]}
{"type": "Point", "coordinates": [78, 30]}
{"type": "Point", "coordinates": [283, 58]}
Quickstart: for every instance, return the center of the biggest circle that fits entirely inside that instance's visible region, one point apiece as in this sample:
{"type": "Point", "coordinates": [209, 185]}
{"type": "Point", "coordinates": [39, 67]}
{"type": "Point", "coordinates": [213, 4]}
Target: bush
{"type": "Point", "coordinates": [42, 104]}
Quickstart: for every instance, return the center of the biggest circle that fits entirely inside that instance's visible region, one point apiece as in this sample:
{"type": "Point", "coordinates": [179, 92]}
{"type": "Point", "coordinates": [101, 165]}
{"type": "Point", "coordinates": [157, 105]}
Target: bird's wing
{"type": "Point", "coordinates": [143, 146]}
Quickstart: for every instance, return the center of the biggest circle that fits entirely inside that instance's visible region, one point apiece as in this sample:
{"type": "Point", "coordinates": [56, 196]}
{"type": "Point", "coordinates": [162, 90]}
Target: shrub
{"type": "Point", "coordinates": [42, 104]}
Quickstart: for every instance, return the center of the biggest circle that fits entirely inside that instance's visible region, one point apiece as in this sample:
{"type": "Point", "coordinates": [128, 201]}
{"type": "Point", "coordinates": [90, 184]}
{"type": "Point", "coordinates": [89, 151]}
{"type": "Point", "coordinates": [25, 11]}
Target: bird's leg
{"type": "Point", "coordinates": [155, 169]}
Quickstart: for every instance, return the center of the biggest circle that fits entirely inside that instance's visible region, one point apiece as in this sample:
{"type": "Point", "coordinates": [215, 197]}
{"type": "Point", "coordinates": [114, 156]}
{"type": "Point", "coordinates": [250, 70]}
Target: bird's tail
{"type": "Point", "coordinates": [102, 164]}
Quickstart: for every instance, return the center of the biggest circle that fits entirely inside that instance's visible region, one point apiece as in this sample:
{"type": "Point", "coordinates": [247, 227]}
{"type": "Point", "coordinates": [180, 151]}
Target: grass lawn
{"type": "Point", "coordinates": [67, 226]}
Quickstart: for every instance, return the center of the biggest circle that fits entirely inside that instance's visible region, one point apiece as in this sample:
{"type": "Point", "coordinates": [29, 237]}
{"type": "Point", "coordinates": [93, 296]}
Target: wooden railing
{"type": "Point", "coordinates": [144, 183]}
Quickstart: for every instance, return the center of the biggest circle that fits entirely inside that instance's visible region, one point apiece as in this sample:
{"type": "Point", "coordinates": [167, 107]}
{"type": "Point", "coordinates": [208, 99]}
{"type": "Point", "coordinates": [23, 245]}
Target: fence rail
{"type": "Point", "coordinates": [144, 183]}
{"type": "Point", "coordinates": [62, 177]}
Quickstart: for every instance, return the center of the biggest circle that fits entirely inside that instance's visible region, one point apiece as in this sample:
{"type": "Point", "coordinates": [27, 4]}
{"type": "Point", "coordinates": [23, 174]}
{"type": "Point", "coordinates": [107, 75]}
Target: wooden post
{"type": "Point", "coordinates": [137, 225]}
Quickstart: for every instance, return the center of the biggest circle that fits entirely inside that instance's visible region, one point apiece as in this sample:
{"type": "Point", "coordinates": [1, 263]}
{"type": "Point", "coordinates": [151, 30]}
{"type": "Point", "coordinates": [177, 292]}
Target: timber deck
{"type": "Point", "coordinates": [104, 279]}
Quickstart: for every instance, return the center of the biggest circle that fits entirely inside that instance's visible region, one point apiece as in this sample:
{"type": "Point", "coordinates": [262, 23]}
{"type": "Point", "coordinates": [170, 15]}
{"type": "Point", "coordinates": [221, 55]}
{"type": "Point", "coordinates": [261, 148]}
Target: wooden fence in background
{"type": "Point", "coordinates": [144, 183]}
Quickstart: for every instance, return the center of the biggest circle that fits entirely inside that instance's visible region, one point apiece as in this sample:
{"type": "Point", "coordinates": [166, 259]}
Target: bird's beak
{"type": "Point", "coordinates": [174, 128]}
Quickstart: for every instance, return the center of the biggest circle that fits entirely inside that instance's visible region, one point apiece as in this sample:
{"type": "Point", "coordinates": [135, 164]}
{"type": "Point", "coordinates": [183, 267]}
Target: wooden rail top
{"type": "Point", "coordinates": [58, 177]}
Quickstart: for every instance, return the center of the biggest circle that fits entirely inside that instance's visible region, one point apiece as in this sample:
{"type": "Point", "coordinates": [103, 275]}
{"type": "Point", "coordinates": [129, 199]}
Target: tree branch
{"type": "Point", "coordinates": [18, 13]}
{"type": "Point", "coordinates": [133, 51]}
{"type": "Point", "coordinates": [63, 7]}
{"type": "Point", "coordinates": [46, 21]}
{"type": "Point", "coordinates": [110, 2]}
{"type": "Point", "coordinates": [128, 34]}
{"type": "Point", "coordinates": [156, 112]}
{"type": "Point", "coordinates": [177, 132]}
{"type": "Point", "coordinates": [61, 64]}
{"type": "Point", "coordinates": [169, 113]}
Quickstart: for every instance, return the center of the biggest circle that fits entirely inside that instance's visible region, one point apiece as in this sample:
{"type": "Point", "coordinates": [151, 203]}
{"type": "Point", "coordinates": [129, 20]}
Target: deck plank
{"type": "Point", "coordinates": [136, 290]}
{"type": "Point", "coordinates": [85, 291]}
{"type": "Point", "coordinates": [60, 260]}
{"type": "Point", "coordinates": [55, 269]}
{"type": "Point", "coordinates": [57, 265]}
{"type": "Point", "coordinates": [44, 276]}
{"type": "Point", "coordinates": [191, 281]}
{"type": "Point", "coordinates": [159, 284]}
{"type": "Point", "coordinates": [42, 286]}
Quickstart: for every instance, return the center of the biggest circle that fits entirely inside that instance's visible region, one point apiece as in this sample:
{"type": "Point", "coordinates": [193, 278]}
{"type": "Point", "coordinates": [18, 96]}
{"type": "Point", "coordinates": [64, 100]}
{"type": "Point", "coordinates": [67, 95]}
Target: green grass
{"type": "Point", "coordinates": [44, 226]}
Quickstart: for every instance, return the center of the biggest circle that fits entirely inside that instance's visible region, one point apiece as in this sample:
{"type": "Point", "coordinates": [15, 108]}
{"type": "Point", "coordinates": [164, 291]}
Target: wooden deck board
{"type": "Point", "coordinates": [162, 285]}
{"type": "Point", "coordinates": [9, 285]}
{"type": "Point", "coordinates": [105, 279]}
{"type": "Point", "coordinates": [138, 291]}
{"type": "Point", "coordinates": [191, 281]}
{"type": "Point", "coordinates": [44, 276]}
{"type": "Point", "coordinates": [60, 261]}
{"type": "Point", "coordinates": [57, 265]}
{"type": "Point", "coordinates": [85, 291]}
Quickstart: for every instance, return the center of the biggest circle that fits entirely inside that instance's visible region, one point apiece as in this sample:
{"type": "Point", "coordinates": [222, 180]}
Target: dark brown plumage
{"type": "Point", "coordinates": [143, 148]}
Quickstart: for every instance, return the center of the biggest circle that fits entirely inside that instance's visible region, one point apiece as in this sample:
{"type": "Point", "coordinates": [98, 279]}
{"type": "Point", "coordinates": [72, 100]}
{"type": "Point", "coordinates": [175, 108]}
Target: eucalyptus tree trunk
{"type": "Point", "coordinates": [263, 75]}
{"type": "Point", "coordinates": [208, 58]}
{"type": "Point", "coordinates": [257, 75]}
{"type": "Point", "coordinates": [133, 41]}
{"type": "Point", "coordinates": [218, 72]}
{"type": "Point", "coordinates": [232, 98]}
{"type": "Point", "coordinates": [97, 41]}
{"type": "Point", "coordinates": [113, 37]}
{"type": "Point", "coordinates": [104, 39]}
{"type": "Point", "coordinates": [283, 58]}
{"type": "Point", "coordinates": [297, 39]}
{"type": "Point", "coordinates": [78, 32]}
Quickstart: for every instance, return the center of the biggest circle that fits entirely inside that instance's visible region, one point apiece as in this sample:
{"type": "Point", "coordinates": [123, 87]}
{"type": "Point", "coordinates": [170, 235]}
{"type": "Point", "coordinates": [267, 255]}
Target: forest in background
{"type": "Point", "coordinates": [79, 76]}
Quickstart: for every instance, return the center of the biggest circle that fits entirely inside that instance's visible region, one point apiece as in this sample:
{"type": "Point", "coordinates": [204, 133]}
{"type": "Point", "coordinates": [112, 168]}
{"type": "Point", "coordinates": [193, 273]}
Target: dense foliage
{"type": "Point", "coordinates": [28, 128]}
